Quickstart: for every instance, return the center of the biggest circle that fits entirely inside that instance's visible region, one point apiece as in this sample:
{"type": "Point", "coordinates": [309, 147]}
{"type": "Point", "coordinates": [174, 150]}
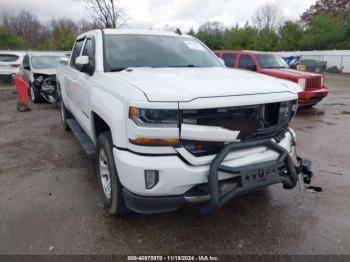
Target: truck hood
{"type": "Point", "coordinates": [186, 84]}
{"type": "Point", "coordinates": [288, 73]}
{"type": "Point", "coordinates": [44, 71]}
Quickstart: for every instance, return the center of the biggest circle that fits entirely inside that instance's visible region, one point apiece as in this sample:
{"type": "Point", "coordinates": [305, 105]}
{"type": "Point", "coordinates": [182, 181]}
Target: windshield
{"type": "Point", "coordinates": [123, 51]}
{"type": "Point", "coordinates": [45, 62]}
{"type": "Point", "coordinates": [271, 61]}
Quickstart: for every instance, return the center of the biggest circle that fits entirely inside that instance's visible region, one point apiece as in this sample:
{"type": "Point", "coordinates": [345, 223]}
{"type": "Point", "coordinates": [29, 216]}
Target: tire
{"type": "Point", "coordinates": [107, 174]}
{"type": "Point", "coordinates": [65, 114]}
{"type": "Point", "coordinates": [34, 94]}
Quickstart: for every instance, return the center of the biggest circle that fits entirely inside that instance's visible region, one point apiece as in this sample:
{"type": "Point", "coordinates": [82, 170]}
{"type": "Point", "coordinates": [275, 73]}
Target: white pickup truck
{"type": "Point", "coordinates": [170, 125]}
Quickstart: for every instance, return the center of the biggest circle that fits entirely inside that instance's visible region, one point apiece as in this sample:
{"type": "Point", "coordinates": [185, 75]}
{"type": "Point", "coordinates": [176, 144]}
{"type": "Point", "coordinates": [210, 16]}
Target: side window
{"type": "Point", "coordinates": [76, 51]}
{"type": "Point", "coordinates": [25, 62]}
{"type": "Point", "coordinates": [246, 62]}
{"type": "Point", "coordinates": [89, 50]}
{"type": "Point", "coordinates": [229, 59]}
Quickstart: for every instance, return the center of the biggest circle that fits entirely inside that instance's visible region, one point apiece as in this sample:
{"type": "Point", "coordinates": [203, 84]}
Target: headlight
{"type": "Point", "coordinates": [302, 83]}
{"type": "Point", "coordinates": [39, 78]}
{"type": "Point", "coordinates": [287, 111]}
{"type": "Point", "coordinates": [154, 117]}
{"type": "Point", "coordinates": [322, 81]}
{"type": "Point", "coordinates": [294, 109]}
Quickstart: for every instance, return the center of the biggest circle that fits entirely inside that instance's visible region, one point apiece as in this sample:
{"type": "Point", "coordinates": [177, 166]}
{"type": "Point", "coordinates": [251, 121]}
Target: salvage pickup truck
{"type": "Point", "coordinates": [170, 125]}
{"type": "Point", "coordinates": [314, 89]}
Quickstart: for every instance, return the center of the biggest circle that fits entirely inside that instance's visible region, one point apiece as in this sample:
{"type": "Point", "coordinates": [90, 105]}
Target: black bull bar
{"type": "Point", "coordinates": [252, 176]}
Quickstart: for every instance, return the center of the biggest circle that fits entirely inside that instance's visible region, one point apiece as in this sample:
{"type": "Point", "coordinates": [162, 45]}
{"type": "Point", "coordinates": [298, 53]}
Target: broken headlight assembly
{"type": "Point", "coordinates": [154, 118]}
{"type": "Point", "coordinates": [39, 78]}
{"type": "Point", "coordinates": [167, 118]}
{"type": "Point", "coordinates": [287, 111]}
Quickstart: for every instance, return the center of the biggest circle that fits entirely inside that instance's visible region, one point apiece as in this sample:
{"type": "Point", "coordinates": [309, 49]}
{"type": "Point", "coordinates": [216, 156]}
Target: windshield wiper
{"type": "Point", "coordinates": [190, 65]}
{"type": "Point", "coordinates": [117, 69]}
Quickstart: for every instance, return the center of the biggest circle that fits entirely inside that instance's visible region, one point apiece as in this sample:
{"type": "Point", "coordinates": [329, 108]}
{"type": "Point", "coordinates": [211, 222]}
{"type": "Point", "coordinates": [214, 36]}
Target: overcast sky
{"type": "Point", "coordinates": [158, 13]}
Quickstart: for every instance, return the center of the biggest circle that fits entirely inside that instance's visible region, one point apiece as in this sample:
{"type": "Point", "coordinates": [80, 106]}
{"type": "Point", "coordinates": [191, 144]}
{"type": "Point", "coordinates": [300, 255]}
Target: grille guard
{"type": "Point", "coordinates": [289, 181]}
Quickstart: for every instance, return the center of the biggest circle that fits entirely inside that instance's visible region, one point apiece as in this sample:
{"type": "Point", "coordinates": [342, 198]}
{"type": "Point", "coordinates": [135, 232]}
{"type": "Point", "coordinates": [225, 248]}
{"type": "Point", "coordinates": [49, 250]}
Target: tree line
{"type": "Point", "coordinates": [325, 25]}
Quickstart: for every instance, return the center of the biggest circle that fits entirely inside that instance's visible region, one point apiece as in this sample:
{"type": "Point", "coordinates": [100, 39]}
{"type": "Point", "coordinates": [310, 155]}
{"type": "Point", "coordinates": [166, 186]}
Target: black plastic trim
{"type": "Point", "coordinates": [289, 181]}
{"type": "Point", "coordinates": [153, 205]}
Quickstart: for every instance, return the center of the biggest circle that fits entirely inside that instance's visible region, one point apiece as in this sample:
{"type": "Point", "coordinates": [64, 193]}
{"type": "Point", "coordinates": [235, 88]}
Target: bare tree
{"type": "Point", "coordinates": [85, 25]}
{"type": "Point", "coordinates": [106, 13]}
{"type": "Point", "coordinates": [25, 25]}
{"type": "Point", "coordinates": [267, 16]}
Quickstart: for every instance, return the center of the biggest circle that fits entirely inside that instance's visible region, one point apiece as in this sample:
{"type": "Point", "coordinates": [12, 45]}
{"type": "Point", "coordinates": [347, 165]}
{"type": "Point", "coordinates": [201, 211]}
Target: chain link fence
{"type": "Point", "coordinates": [339, 61]}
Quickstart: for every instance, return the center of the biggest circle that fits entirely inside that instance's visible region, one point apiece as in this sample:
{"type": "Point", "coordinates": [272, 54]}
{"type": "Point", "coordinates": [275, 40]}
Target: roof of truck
{"type": "Point", "coordinates": [134, 32]}
{"type": "Point", "coordinates": [139, 32]}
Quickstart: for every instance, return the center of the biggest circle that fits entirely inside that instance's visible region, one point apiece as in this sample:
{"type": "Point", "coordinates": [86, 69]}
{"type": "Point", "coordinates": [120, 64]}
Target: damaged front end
{"type": "Point", "coordinates": [46, 86]}
{"type": "Point", "coordinates": [238, 129]}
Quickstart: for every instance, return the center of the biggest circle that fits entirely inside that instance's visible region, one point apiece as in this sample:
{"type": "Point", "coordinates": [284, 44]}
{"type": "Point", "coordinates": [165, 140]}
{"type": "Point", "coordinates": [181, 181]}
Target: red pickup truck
{"type": "Point", "coordinates": [274, 65]}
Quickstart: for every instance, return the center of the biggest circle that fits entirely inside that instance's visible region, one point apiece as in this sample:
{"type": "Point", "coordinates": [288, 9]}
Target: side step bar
{"type": "Point", "coordinates": [83, 138]}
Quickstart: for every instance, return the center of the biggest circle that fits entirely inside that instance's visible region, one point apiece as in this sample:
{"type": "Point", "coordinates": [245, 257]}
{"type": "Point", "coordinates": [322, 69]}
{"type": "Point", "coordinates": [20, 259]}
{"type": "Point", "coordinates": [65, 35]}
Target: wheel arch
{"type": "Point", "coordinates": [99, 125]}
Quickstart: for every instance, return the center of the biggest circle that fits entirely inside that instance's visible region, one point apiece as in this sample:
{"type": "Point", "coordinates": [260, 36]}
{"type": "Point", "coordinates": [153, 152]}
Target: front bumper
{"type": "Point", "coordinates": [181, 184]}
{"type": "Point", "coordinates": [312, 97]}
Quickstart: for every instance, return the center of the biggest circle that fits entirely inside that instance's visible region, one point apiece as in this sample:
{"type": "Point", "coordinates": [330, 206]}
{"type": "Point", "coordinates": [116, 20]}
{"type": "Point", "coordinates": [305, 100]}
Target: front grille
{"type": "Point", "coordinates": [313, 83]}
{"type": "Point", "coordinates": [253, 122]}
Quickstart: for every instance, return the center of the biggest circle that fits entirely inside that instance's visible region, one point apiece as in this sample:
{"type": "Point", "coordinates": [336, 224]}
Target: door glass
{"type": "Point", "coordinates": [229, 59]}
{"type": "Point", "coordinates": [25, 62]}
{"type": "Point", "coordinates": [76, 51]}
{"type": "Point", "coordinates": [88, 49]}
{"type": "Point", "coordinates": [246, 62]}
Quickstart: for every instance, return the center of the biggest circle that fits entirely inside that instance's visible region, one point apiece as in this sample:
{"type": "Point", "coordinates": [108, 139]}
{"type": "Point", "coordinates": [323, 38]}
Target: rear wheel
{"type": "Point", "coordinates": [65, 114]}
{"type": "Point", "coordinates": [107, 176]}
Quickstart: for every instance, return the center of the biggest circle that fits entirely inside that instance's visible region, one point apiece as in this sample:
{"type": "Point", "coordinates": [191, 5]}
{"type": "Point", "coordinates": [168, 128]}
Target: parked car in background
{"type": "Point", "coordinates": [309, 65]}
{"type": "Point", "coordinates": [10, 62]}
{"type": "Point", "coordinates": [39, 72]}
{"type": "Point", "coordinates": [159, 107]}
{"type": "Point", "coordinates": [314, 89]}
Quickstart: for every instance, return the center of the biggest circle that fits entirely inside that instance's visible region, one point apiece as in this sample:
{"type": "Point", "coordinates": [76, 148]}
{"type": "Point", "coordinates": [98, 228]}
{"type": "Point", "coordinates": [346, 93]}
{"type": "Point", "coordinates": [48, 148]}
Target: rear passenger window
{"type": "Point", "coordinates": [246, 62]}
{"type": "Point", "coordinates": [8, 58]}
{"type": "Point", "coordinates": [230, 60]}
{"type": "Point", "coordinates": [76, 51]}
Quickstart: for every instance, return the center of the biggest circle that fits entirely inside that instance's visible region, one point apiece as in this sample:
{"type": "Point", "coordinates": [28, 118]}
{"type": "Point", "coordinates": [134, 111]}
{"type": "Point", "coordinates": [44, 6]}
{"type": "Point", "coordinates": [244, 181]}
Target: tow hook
{"type": "Point", "coordinates": [305, 176]}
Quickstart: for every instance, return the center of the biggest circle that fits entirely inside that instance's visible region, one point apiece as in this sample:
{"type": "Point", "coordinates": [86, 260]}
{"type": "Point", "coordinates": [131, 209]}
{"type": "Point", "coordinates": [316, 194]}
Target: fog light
{"type": "Point", "coordinates": [151, 178]}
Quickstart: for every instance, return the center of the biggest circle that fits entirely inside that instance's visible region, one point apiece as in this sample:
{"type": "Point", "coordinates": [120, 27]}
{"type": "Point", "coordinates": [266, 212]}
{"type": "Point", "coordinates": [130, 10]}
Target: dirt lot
{"type": "Point", "coordinates": [49, 195]}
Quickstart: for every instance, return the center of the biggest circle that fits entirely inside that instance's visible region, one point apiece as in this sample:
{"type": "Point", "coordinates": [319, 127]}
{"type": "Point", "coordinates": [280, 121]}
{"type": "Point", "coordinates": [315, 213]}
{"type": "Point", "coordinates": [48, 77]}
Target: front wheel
{"type": "Point", "coordinates": [107, 176]}
{"type": "Point", "coordinates": [34, 94]}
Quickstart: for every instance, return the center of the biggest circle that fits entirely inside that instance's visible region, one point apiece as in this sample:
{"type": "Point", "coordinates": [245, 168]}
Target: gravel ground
{"type": "Point", "coordinates": [50, 203]}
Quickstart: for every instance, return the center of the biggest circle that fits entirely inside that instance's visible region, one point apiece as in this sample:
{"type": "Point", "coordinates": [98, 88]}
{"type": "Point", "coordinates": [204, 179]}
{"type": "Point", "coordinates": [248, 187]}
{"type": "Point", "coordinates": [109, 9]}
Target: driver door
{"type": "Point", "coordinates": [85, 81]}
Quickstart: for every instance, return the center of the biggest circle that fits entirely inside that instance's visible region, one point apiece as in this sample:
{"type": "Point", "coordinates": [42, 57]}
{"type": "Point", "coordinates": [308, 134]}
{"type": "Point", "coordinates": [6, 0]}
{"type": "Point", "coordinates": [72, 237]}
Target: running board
{"type": "Point", "coordinates": [83, 138]}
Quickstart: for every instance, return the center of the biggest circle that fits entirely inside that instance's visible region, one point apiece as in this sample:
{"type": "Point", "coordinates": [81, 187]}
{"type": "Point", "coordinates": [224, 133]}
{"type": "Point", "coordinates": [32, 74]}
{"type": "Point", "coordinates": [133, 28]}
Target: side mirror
{"type": "Point", "coordinates": [82, 61]}
{"type": "Point", "coordinates": [26, 67]}
{"type": "Point", "coordinates": [252, 67]}
{"type": "Point", "coordinates": [64, 60]}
